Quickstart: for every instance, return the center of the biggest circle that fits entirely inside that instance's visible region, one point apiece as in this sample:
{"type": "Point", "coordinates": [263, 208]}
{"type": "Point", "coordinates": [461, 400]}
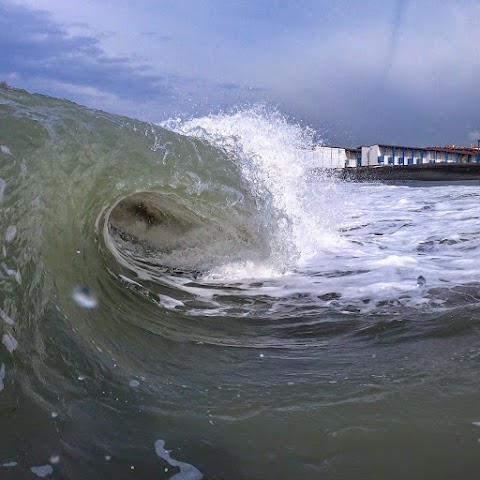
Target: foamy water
{"type": "Point", "coordinates": [355, 245]}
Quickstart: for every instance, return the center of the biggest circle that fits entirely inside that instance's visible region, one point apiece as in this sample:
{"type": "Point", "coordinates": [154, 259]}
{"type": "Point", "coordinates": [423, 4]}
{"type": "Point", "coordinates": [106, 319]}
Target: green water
{"type": "Point", "coordinates": [239, 382]}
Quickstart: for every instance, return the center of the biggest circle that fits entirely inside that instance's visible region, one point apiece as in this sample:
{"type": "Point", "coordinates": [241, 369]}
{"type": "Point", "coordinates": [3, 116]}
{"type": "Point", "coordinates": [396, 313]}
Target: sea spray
{"type": "Point", "coordinates": [270, 154]}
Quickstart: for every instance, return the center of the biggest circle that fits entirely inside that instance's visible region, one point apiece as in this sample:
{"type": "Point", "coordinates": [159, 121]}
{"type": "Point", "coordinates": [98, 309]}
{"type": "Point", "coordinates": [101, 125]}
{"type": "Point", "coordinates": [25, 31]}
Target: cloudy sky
{"type": "Point", "coordinates": [359, 72]}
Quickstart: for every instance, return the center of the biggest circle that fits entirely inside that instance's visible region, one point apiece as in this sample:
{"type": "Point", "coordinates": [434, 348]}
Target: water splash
{"type": "Point", "coordinates": [298, 211]}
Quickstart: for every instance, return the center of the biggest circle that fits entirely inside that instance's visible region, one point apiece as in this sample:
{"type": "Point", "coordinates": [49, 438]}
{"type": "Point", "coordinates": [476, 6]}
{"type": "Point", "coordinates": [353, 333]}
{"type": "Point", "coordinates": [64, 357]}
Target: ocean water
{"type": "Point", "coordinates": [188, 300]}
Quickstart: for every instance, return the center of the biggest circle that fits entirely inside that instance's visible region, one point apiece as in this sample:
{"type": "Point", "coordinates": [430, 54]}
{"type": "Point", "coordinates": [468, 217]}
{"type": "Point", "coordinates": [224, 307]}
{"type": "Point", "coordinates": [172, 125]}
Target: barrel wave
{"type": "Point", "coordinates": [190, 299]}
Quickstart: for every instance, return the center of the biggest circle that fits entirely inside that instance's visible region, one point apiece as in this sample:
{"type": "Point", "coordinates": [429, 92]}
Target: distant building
{"type": "Point", "coordinates": [325, 156]}
{"type": "Point", "coordinates": [403, 155]}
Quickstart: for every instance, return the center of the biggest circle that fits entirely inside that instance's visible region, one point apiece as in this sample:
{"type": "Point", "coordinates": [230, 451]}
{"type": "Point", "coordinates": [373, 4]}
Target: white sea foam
{"type": "Point", "coordinates": [3, 315]}
{"type": "Point", "coordinates": [12, 273]}
{"type": "Point", "coordinates": [42, 471]}
{"type": "Point", "coordinates": [10, 233]}
{"type": "Point", "coordinates": [242, 271]}
{"type": "Point", "coordinates": [9, 342]}
{"type": "Point", "coordinates": [337, 244]}
{"type": "Point", "coordinates": [169, 302]}
{"type": "Point", "coordinates": [130, 281]}
{"type": "Point", "coordinates": [187, 471]}
{"type": "Point", "coordinates": [4, 149]}
{"type": "Point", "coordinates": [387, 246]}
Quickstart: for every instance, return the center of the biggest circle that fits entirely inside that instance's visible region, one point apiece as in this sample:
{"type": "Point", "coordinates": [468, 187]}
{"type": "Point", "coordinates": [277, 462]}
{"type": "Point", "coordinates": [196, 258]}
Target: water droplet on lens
{"type": "Point", "coordinates": [84, 297]}
{"type": "Point", "coordinates": [421, 281]}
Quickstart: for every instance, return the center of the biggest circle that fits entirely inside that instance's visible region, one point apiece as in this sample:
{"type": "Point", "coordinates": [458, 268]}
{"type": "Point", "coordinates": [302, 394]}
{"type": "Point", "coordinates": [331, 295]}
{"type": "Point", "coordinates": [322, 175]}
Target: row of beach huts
{"type": "Point", "coordinates": [325, 156]}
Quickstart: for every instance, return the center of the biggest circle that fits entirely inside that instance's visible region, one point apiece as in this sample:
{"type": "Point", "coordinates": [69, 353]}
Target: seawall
{"type": "Point", "coordinates": [437, 172]}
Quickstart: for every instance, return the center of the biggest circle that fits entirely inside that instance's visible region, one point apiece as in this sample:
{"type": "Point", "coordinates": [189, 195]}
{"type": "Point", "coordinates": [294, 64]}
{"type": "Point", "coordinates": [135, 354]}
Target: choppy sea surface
{"type": "Point", "coordinates": [188, 300]}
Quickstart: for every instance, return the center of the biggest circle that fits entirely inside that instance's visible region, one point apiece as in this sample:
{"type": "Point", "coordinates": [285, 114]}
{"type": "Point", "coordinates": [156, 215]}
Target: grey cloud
{"type": "Point", "coordinates": [346, 78]}
{"type": "Point", "coordinates": [41, 55]}
{"type": "Point", "coordinates": [36, 48]}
